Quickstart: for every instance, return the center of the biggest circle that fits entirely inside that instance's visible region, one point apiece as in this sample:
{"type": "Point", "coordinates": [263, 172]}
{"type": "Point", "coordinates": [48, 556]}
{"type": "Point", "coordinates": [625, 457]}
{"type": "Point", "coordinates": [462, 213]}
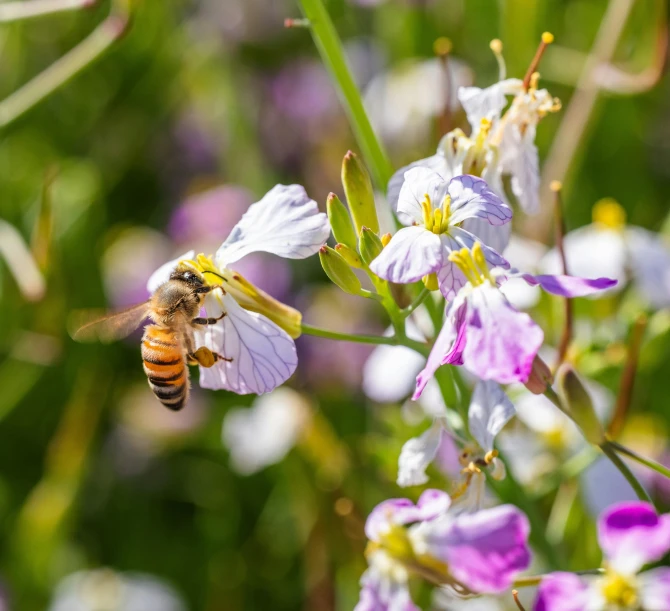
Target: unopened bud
{"type": "Point", "coordinates": [349, 255]}
{"type": "Point", "coordinates": [577, 404]}
{"type": "Point", "coordinates": [338, 270]}
{"type": "Point", "coordinates": [340, 221]}
{"type": "Point", "coordinates": [358, 189]}
{"type": "Point", "coordinates": [370, 245]}
{"type": "Point", "coordinates": [540, 377]}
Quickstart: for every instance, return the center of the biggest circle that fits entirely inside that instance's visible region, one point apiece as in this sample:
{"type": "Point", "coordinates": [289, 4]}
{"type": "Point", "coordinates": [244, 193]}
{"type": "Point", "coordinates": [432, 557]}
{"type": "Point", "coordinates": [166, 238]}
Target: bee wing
{"type": "Point", "coordinates": [90, 325]}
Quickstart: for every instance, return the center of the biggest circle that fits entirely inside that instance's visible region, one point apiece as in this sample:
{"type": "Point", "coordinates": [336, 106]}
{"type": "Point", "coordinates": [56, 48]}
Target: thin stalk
{"type": "Point", "coordinates": [559, 227]}
{"type": "Point", "coordinates": [515, 596]}
{"type": "Point", "coordinates": [62, 70]}
{"type": "Point", "coordinates": [647, 462]}
{"type": "Point", "coordinates": [608, 449]}
{"type": "Point", "coordinates": [330, 48]}
{"type": "Point", "coordinates": [421, 297]}
{"type": "Point", "coordinates": [366, 339]}
{"type": "Point", "coordinates": [527, 582]}
{"type": "Point", "coordinates": [16, 11]}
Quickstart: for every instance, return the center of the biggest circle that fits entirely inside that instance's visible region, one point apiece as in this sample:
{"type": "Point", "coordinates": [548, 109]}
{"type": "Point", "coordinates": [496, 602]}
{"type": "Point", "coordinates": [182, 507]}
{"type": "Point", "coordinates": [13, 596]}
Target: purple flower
{"type": "Point", "coordinates": [483, 332]}
{"type": "Point", "coordinates": [630, 535]}
{"type": "Point", "coordinates": [440, 213]}
{"type": "Point", "coordinates": [482, 552]}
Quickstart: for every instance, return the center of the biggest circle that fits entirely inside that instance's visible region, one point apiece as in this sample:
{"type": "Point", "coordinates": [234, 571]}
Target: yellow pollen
{"type": "Point", "coordinates": [534, 81]}
{"type": "Point", "coordinates": [436, 220]}
{"type": "Point", "coordinates": [555, 186]}
{"type": "Point", "coordinates": [437, 223]}
{"type": "Point", "coordinates": [427, 210]}
{"type": "Point", "coordinates": [609, 213]}
{"type": "Point", "coordinates": [472, 264]}
{"type": "Point", "coordinates": [496, 46]}
{"type": "Point", "coordinates": [490, 456]}
{"type": "Point", "coordinates": [442, 46]}
{"type": "Point", "coordinates": [619, 590]}
{"type": "Point", "coordinates": [547, 38]}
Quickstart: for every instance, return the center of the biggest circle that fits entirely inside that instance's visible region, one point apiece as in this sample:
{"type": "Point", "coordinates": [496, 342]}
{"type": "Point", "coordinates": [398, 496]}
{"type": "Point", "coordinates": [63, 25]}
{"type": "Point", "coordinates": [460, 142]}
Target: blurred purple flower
{"type": "Point", "coordinates": [630, 535]}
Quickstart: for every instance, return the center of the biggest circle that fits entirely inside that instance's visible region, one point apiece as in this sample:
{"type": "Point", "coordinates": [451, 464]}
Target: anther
{"type": "Point", "coordinates": [427, 210]}
{"type": "Point", "coordinates": [547, 39]}
{"type": "Point", "coordinates": [442, 46]}
{"type": "Point", "coordinates": [489, 457]}
{"type": "Point", "coordinates": [497, 47]}
{"type": "Point", "coordinates": [437, 223]}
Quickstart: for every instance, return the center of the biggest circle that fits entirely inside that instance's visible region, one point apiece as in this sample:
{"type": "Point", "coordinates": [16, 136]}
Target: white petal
{"type": "Point", "coordinates": [286, 222]}
{"type": "Point", "coordinates": [471, 197]}
{"type": "Point", "coordinates": [465, 239]}
{"type": "Point", "coordinates": [436, 163]}
{"type": "Point", "coordinates": [520, 159]}
{"type": "Point", "coordinates": [486, 103]}
{"type": "Point", "coordinates": [650, 263]}
{"type": "Point", "coordinates": [495, 236]}
{"type": "Point", "coordinates": [264, 355]}
{"type": "Point", "coordinates": [490, 410]}
{"type": "Point", "coordinates": [162, 274]}
{"type": "Point", "coordinates": [419, 182]}
{"type": "Point", "coordinates": [389, 374]}
{"type": "Point", "coordinates": [263, 434]}
{"type": "Point", "coordinates": [412, 253]}
{"type": "Point", "coordinates": [417, 454]}
{"type": "Point", "coordinates": [450, 279]}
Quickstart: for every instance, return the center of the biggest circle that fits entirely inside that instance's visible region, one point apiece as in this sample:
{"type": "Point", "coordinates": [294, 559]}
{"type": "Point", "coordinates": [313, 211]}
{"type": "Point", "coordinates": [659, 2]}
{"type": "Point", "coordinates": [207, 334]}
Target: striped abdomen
{"type": "Point", "coordinates": [165, 366]}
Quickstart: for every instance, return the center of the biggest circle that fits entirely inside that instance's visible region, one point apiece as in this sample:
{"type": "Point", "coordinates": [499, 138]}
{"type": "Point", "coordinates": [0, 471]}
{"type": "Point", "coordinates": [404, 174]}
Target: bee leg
{"type": "Point", "coordinates": [205, 357]}
{"type": "Point", "coordinates": [207, 321]}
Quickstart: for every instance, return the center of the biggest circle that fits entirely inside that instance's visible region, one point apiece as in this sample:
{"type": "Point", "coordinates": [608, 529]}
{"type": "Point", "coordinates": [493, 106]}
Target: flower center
{"type": "Point", "coordinates": [475, 160]}
{"type": "Point", "coordinates": [436, 220]}
{"type": "Point", "coordinates": [473, 264]}
{"type": "Point", "coordinates": [608, 213]}
{"type": "Point", "coordinates": [619, 590]}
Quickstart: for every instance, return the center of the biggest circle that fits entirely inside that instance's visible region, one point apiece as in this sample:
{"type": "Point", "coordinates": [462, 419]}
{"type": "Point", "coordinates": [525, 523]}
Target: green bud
{"type": "Point", "coordinates": [338, 270]}
{"type": "Point", "coordinates": [577, 404]}
{"type": "Point", "coordinates": [349, 255]}
{"type": "Point", "coordinates": [370, 245]}
{"type": "Point", "coordinates": [358, 189]}
{"type": "Point", "coordinates": [340, 222]}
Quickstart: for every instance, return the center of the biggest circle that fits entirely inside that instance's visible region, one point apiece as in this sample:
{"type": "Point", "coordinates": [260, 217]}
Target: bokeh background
{"type": "Point", "coordinates": [159, 147]}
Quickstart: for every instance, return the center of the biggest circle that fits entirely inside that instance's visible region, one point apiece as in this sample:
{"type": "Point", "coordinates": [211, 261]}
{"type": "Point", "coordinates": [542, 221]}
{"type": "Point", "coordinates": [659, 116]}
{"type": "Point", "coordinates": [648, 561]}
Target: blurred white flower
{"type": "Point", "coordinates": [261, 435]}
{"type": "Point", "coordinates": [22, 265]}
{"type": "Point", "coordinates": [106, 590]}
{"type": "Point", "coordinates": [403, 101]}
{"type": "Point", "coordinates": [522, 253]}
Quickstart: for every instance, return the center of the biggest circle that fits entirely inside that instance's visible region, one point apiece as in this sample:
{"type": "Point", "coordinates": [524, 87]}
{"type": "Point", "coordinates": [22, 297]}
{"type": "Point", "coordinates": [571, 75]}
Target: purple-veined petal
{"type": "Point", "coordinates": [633, 534]}
{"type": "Point", "coordinates": [562, 592]}
{"type": "Point", "coordinates": [471, 197]}
{"type": "Point", "coordinates": [382, 589]}
{"type": "Point", "coordinates": [448, 346]}
{"type": "Point", "coordinates": [264, 355]}
{"type": "Point", "coordinates": [654, 589]}
{"type": "Point", "coordinates": [450, 279]}
{"type": "Point", "coordinates": [286, 222]}
{"type": "Point", "coordinates": [490, 410]}
{"type": "Point", "coordinates": [432, 503]}
{"type": "Point", "coordinates": [486, 103]}
{"type": "Point", "coordinates": [485, 550]}
{"type": "Point", "coordinates": [411, 254]}
{"type": "Point", "coordinates": [436, 163]}
{"type": "Point", "coordinates": [501, 342]}
{"type": "Point", "coordinates": [419, 182]}
{"type": "Point", "coordinates": [162, 274]}
{"type": "Point", "coordinates": [567, 286]}
{"type": "Point", "coordinates": [416, 454]}
{"type": "Point", "coordinates": [465, 239]}
{"type": "Point", "coordinates": [496, 237]}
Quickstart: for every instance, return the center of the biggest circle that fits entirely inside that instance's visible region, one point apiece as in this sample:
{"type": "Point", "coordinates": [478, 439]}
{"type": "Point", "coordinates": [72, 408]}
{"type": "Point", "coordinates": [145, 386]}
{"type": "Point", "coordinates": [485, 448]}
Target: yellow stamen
{"type": "Point", "coordinates": [609, 213]}
{"type": "Point", "coordinates": [619, 590]}
{"type": "Point", "coordinates": [497, 48]}
{"type": "Point", "coordinates": [437, 223]}
{"type": "Point", "coordinates": [386, 238]}
{"type": "Point", "coordinates": [534, 81]}
{"type": "Point", "coordinates": [480, 261]}
{"type": "Point", "coordinates": [442, 46]}
{"type": "Point", "coordinates": [547, 39]}
{"type": "Point", "coordinates": [490, 456]}
{"type": "Point", "coordinates": [446, 212]}
{"type": "Point", "coordinates": [430, 282]}
{"type": "Point", "coordinates": [472, 264]}
{"type": "Point", "coordinates": [427, 210]}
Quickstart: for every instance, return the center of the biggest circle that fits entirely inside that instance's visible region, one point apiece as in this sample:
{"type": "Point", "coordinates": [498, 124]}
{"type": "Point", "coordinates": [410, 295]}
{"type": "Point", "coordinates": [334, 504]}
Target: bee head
{"type": "Point", "coordinates": [187, 275]}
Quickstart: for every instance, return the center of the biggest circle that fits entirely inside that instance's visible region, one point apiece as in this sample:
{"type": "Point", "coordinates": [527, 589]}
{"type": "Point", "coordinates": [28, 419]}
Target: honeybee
{"type": "Point", "coordinates": [168, 345]}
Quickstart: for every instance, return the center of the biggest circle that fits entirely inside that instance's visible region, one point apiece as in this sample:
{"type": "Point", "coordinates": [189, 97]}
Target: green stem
{"type": "Point", "coordinates": [421, 297]}
{"type": "Point", "coordinates": [647, 462]}
{"type": "Point", "coordinates": [366, 339]}
{"type": "Point", "coordinates": [608, 448]}
{"type": "Point", "coordinates": [62, 70]}
{"type": "Point", "coordinates": [15, 11]}
{"type": "Point", "coordinates": [330, 48]}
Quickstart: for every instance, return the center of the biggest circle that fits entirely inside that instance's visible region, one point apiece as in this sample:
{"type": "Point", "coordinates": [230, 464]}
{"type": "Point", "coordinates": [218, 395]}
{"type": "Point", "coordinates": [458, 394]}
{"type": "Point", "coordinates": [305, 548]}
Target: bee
{"type": "Point", "coordinates": [168, 345]}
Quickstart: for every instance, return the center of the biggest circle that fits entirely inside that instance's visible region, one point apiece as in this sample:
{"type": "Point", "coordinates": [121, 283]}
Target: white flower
{"type": "Point", "coordinates": [264, 433]}
{"type": "Point", "coordinates": [111, 591]}
{"type": "Point", "coordinates": [286, 223]}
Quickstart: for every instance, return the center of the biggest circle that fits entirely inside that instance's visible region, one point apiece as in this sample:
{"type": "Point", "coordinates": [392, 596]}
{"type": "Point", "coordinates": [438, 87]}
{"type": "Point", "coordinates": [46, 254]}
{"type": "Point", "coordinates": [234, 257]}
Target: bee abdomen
{"type": "Point", "coordinates": [165, 366]}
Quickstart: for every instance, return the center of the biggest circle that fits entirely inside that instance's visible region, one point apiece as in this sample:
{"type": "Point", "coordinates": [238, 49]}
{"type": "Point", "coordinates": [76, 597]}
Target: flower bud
{"type": "Point", "coordinates": [577, 404]}
{"type": "Point", "coordinates": [340, 222]}
{"type": "Point", "coordinates": [338, 270]}
{"type": "Point", "coordinates": [349, 255]}
{"type": "Point", "coordinates": [358, 189]}
{"type": "Point", "coordinates": [370, 245]}
{"type": "Point", "coordinates": [540, 377]}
